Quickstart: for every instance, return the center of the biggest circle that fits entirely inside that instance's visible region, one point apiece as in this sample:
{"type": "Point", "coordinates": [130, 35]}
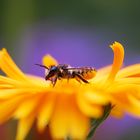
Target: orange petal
{"type": "Point", "coordinates": [9, 67]}
{"type": "Point", "coordinates": [118, 59]}
{"type": "Point", "coordinates": [117, 112]}
{"type": "Point", "coordinates": [48, 60]}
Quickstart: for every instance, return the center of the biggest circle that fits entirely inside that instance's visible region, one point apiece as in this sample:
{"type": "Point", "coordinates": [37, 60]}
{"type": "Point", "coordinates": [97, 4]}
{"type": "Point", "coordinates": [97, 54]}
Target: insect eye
{"type": "Point", "coordinates": [53, 68]}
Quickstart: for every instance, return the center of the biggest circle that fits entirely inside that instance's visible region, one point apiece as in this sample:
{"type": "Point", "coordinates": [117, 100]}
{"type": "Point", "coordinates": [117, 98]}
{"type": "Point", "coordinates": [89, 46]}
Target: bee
{"type": "Point", "coordinates": [64, 71]}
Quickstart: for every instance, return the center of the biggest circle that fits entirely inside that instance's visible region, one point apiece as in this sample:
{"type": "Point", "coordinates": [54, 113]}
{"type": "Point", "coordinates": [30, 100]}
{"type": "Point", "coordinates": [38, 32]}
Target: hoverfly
{"type": "Point", "coordinates": [64, 71]}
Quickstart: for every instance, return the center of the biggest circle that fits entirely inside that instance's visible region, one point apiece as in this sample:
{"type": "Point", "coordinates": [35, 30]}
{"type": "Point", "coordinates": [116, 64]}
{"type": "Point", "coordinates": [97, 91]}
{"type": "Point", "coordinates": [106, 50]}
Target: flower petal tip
{"type": "Point", "coordinates": [117, 45]}
{"type": "Point", "coordinates": [48, 60]}
{"type": "Point", "coordinates": [118, 50]}
{"type": "Point", "coordinates": [3, 50]}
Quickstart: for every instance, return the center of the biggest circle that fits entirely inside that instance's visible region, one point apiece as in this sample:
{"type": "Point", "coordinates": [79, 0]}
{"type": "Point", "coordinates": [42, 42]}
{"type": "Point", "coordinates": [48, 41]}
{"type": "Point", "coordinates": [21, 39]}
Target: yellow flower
{"type": "Point", "coordinates": [68, 106]}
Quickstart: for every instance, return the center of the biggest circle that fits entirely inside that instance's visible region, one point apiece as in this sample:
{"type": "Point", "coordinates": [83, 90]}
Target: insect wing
{"type": "Point", "coordinates": [81, 68]}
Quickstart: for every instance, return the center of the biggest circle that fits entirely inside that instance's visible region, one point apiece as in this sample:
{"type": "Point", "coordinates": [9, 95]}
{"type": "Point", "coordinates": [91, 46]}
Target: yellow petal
{"type": "Point", "coordinates": [7, 107]}
{"type": "Point", "coordinates": [48, 60]}
{"type": "Point", "coordinates": [126, 98]}
{"type": "Point", "coordinates": [45, 111]}
{"type": "Point", "coordinates": [91, 110]}
{"type": "Point", "coordinates": [67, 120]}
{"type": "Point", "coordinates": [119, 95]}
{"type": "Point", "coordinates": [27, 107]}
{"type": "Point", "coordinates": [128, 80]}
{"type": "Point", "coordinates": [7, 80]}
{"type": "Point", "coordinates": [124, 89]}
{"type": "Point", "coordinates": [130, 71]}
{"type": "Point", "coordinates": [96, 98]}
{"type": "Point", "coordinates": [78, 123]}
{"type": "Point", "coordinates": [24, 125]}
{"type": "Point", "coordinates": [59, 123]}
{"type": "Point", "coordinates": [118, 59]}
{"type": "Point", "coordinates": [9, 67]}
{"type": "Point", "coordinates": [102, 72]}
{"type": "Point", "coordinates": [8, 93]}
{"type": "Point", "coordinates": [134, 107]}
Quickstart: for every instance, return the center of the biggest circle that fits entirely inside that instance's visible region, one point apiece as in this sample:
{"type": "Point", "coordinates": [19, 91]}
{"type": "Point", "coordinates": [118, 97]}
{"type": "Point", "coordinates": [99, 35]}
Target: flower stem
{"type": "Point", "coordinates": [96, 122]}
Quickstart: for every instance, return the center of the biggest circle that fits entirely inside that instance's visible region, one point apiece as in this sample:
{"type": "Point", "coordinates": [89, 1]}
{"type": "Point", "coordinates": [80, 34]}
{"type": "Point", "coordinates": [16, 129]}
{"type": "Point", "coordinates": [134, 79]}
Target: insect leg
{"type": "Point", "coordinates": [81, 78]}
{"type": "Point", "coordinates": [78, 79]}
{"type": "Point", "coordinates": [54, 80]}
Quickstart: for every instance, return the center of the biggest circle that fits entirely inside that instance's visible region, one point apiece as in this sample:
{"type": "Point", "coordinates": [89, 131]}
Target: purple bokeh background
{"type": "Point", "coordinates": [77, 47]}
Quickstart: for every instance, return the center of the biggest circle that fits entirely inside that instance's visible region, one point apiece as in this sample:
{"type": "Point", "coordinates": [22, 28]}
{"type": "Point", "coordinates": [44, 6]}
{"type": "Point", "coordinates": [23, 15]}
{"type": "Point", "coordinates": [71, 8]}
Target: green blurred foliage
{"type": "Point", "coordinates": [119, 16]}
{"type": "Point", "coordinates": [16, 15]}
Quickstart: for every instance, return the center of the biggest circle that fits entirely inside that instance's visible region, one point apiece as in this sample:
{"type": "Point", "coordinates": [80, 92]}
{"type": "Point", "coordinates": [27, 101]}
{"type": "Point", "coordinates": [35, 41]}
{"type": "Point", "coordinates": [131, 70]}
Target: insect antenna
{"type": "Point", "coordinates": [42, 66]}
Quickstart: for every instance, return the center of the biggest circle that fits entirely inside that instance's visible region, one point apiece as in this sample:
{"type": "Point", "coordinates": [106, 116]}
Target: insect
{"type": "Point", "coordinates": [64, 71]}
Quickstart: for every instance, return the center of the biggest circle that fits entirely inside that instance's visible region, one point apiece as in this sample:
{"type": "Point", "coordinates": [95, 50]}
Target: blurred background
{"type": "Point", "coordinates": [74, 32]}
